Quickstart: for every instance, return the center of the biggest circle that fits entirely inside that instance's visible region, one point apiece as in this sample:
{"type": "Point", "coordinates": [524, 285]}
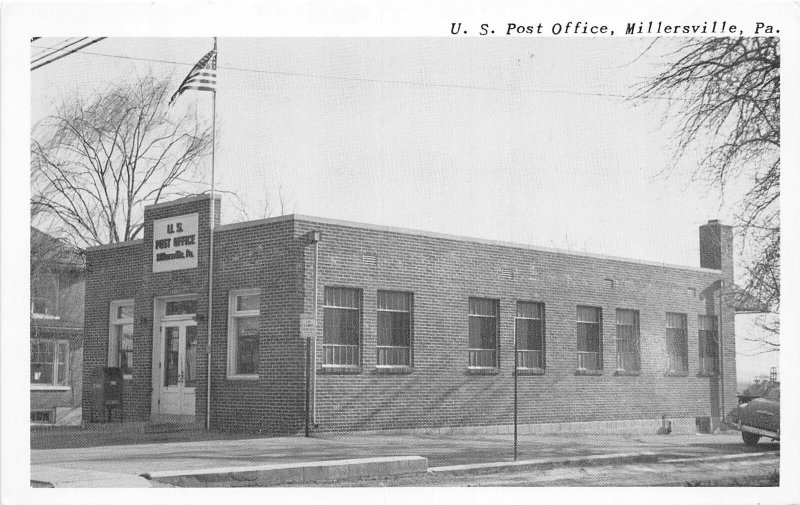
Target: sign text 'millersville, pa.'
{"type": "Point", "coordinates": [175, 243]}
{"type": "Point", "coordinates": [635, 28]}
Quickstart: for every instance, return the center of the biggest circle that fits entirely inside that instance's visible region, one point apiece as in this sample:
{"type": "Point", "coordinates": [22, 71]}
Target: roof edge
{"type": "Point", "coordinates": [459, 238]}
{"type": "Point", "coordinates": [115, 245]}
{"type": "Point", "coordinates": [182, 201]}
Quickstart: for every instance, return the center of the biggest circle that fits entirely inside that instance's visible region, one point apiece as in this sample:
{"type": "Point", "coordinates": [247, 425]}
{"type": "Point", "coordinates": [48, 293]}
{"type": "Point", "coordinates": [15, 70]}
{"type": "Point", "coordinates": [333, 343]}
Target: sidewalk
{"type": "Point", "coordinates": [173, 456]}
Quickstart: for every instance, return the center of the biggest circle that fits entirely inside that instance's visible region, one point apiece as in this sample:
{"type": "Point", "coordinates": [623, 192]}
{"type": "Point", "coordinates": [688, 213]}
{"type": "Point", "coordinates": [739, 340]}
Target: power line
{"type": "Point", "coordinates": [62, 48]}
{"type": "Point", "coordinates": [95, 41]}
{"type": "Point", "coordinates": [381, 81]}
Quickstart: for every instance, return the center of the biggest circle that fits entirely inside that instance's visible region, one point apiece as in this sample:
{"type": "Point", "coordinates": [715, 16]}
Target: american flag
{"type": "Point", "coordinates": [202, 77]}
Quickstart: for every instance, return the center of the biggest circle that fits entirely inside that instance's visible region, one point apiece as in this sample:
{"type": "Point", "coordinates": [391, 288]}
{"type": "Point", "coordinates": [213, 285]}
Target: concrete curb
{"type": "Point", "coordinates": [724, 457]}
{"type": "Point", "coordinates": [45, 476]}
{"type": "Point", "coordinates": [599, 459]}
{"type": "Point", "coordinates": [294, 473]}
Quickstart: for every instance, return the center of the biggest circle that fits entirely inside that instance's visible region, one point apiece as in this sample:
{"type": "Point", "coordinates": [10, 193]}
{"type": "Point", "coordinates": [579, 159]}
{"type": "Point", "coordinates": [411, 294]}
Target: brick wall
{"type": "Point", "coordinates": [443, 273]}
{"type": "Point", "coordinates": [275, 256]}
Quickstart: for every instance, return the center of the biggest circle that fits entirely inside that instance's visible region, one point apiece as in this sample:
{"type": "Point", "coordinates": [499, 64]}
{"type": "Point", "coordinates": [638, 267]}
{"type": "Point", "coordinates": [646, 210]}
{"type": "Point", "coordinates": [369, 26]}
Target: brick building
{"type": "Point", "coordinates": [408, 329]}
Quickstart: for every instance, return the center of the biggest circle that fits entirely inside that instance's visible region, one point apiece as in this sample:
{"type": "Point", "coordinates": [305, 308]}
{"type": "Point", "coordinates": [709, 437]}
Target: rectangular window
{"type": "Point", "coordinates": [44, 294]}
{"type": "Point", "coordinates": [341, 333]}
{"type": "Point", "coordinates": [120, 337]}
{"type": "Point", "coordinates": [628, 340]}
{"type": "Point", "coordinates": [529, 332]}
{"type": "Point", "coordinates": [483, 327]}
{"type": "Point", "coordinates": [677, 343]}
{"type": "Point", "coordinates": [394, 328]}
{"type": "Point", "coordinates": [49, 362]}
{"type": "Point", "coordinates": [243, 339]}
{"type": "Point", "coordinates": [708, 343]}
{"type": "Point", "coordinates": [590, 338]}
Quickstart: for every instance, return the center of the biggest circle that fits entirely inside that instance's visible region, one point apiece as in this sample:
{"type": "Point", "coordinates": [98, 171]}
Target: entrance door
{"type": "Point", "coordinates": [179, 367]}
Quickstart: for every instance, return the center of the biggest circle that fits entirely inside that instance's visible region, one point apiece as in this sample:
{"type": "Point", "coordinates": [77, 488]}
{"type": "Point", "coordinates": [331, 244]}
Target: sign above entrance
{"type": "Point", "coordinates": [175, 243]}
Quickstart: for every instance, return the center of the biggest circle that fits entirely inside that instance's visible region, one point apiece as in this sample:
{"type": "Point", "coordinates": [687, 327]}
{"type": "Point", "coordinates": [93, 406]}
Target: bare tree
{"type": "Point", "coordinates": [97, 162]}
{"type": "Point", "coordinates": [725, 94]}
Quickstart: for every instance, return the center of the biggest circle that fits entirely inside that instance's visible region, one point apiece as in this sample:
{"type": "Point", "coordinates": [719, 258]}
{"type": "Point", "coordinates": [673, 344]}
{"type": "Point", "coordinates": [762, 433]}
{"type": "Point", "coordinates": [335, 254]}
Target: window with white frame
{"type": "Point", "coordinates": [243, 341]}
{"type": "Point", "coordinates": [628, 340]}
{"type": "Point", "coordinates": [341, 333]}
{"type": "Point", "coordinates": [483, 326]}
{"type": "Point", "coordinates": [394, 328]}
{"type": "Point", "coordinates": [120, 337]}
{"type": "Point", "coordinates": [590, 338]}
{"type": "Point", "coordinates": [677, 343]}
{"type": "Point", "coordinates": [49, 362]}
{"type": "Point", "coordinates": [529, 330]}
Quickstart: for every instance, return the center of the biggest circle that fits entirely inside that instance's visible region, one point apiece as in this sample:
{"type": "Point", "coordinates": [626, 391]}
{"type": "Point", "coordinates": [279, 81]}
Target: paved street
{"type": "Point", "coordinates": [440, 451]}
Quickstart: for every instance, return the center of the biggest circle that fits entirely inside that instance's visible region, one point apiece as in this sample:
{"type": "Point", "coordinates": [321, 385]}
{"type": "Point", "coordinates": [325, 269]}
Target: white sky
{"type": "Point", "coordinates": [507, 139]}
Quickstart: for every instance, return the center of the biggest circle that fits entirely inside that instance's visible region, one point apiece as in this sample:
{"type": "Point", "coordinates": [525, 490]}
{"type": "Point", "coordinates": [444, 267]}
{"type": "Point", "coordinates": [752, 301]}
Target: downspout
{"type": "Point", "coordinates": [316, 327]}
{"type": "Point", "coordinates": [311, 343]}
{"type": "Point", "coordinates": [721, 357]}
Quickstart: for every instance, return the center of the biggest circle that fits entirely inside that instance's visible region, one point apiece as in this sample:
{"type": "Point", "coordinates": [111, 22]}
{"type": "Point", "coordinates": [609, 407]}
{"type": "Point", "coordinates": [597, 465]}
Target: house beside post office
{"type": "Point", "coordinates": [56, 330]}
{"type": "Point", "coordinates": [355, 327]}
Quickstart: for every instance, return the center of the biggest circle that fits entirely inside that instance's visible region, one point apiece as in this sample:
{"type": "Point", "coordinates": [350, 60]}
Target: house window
{"type": "Point", "coordinates": [677, 344]}
{"type": "Point", "coordinates": [120, 337]}
{"type": "Point", "coordinates": [589, 338]}
{"type": "Point", "coordinates": [709, 344]}
{"type": "Point", "coordinates": [341, 334]}
{"type": "Point", "coordinates": [49, 362]}
{"type": "Point", "coordinates": [628, 340]}
{"type": "Point", "coordinates": [483, 333]}
{"type": "Point", "coordinates": [529, 332]}
{"type": "Point", "coordinates": [44, 294]}
{"type": "Point", "coordinates": [243, 342]}
{"type": "Point", "coordinates": [394, 328]}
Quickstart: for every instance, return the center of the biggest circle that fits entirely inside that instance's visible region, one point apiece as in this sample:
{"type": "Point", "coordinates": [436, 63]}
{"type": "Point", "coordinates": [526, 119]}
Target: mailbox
{"type": "Point", "coordinates": [106, 392]}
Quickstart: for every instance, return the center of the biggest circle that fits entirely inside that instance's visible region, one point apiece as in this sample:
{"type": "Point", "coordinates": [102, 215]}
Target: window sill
{"type": "Point", "coordinates": [627, 373]}
{"type": "Point", "coordinates": [530, 371]}
{"type": "Point", "coordinates": [676, 373]}
{"type": "Point", "coordinates": [340, 369]}
{"type": "Point", "coordinates": [128, 377]}
{"type": "Point", "coordinates": [394, 370]}
{"type": "Point", "coordinates": [46, 387]}
{"type": "Point", "coordinates": [34, 315]}
{"type": "Point", "coordinates": [584, 371]}
{"type": "Point", "coordinates": [483, 370]}
{"type": "Point", "coordinates": [242, 377]}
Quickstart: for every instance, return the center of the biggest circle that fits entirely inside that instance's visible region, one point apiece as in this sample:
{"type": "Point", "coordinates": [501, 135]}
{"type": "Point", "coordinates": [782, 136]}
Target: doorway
{"type": "Point", "coordinates": [175, 357]}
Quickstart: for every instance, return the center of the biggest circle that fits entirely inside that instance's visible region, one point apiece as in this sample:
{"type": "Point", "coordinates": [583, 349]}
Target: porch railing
{"type": "Point", "coordinates": [340, 355]}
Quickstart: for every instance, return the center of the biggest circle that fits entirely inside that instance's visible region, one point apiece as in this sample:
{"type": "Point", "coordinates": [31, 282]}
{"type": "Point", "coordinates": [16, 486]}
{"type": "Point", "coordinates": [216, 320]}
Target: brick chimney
{"type": "Point", "coordinates": [716, 248]}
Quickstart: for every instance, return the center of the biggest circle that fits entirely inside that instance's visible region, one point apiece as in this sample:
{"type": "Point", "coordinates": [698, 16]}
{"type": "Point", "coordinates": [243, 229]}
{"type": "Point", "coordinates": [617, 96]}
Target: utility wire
{"type": "Point", "coordinates": [47, 49]}
{"type": "Point", "coordinates": [62, 48]}
{"type": "Point", "coordinates": [381, 81]}
{"type": "Point", "coordinates": [95, 41]}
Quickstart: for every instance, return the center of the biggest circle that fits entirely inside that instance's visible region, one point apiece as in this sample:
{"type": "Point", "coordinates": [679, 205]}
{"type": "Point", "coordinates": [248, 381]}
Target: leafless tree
{"type": "Point", "coordinates": [725, 95]}
{"type": "Point", "coordinates": [99, 160]}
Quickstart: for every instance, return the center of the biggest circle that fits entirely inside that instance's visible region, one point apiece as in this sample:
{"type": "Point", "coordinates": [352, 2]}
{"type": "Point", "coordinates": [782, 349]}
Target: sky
{"type": "Point", "coordinates": [524, 140]}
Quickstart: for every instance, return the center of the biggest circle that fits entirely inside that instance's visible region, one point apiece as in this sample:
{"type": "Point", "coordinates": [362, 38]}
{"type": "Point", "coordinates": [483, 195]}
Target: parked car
{"type": "Point", "coordinates": [758, 417]}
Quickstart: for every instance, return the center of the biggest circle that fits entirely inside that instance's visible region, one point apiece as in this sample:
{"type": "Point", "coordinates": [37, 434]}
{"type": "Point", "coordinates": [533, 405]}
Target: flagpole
{"type": "Point", "coordinates": [211, 248]}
